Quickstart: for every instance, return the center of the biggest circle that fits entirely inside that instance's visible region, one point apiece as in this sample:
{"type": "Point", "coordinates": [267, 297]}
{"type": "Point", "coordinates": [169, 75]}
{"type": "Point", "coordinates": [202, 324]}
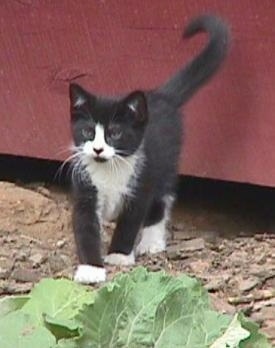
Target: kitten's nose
{"type": "Point", "coordinates": [98, 151]}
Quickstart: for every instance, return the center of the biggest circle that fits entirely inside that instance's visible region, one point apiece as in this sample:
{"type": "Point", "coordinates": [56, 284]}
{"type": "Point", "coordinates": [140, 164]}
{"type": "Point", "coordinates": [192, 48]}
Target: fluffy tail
{"type": "Point", "coordinates": [184, 84]}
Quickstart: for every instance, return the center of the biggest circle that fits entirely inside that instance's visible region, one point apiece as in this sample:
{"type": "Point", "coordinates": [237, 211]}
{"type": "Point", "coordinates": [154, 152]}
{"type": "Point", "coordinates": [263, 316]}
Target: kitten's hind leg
{"type": "Point", "coordinates": [129, 223]}
{"type": "Point", "coordinates": [154, 233]}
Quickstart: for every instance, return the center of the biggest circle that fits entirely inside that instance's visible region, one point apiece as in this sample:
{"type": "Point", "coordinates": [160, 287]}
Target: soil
{"type": "Point", "coordinates": [234, 261]}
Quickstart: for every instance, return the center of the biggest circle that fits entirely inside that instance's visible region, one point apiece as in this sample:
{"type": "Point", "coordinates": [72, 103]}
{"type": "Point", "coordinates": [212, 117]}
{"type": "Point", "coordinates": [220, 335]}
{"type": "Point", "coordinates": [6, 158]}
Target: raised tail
{"type": "Point", "coordinates": [184, 84]}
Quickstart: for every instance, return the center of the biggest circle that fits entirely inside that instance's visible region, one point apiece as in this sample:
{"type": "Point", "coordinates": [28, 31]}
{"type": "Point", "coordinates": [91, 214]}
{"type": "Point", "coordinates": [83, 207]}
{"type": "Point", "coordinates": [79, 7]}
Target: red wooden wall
{"type": "Point", "coordinates": [117, 45]}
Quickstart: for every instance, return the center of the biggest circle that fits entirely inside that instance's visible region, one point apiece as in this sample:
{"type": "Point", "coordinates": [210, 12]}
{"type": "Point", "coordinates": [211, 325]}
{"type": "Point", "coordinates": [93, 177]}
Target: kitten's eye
{"type": "Point", "coordinates": [88, 133]}
{"type": "Point", "coordinates": [115, 133]}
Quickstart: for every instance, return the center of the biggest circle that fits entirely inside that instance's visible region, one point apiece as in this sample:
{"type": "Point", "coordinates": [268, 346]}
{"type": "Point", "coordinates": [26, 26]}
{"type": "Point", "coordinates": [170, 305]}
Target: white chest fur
{"type": "Point", "coordinates": [114, 181]}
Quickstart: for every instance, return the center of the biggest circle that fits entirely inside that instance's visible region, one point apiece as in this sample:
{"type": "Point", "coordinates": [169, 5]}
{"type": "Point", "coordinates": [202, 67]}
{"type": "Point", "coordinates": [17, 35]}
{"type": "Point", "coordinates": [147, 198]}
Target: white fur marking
{"type": "Point", "coordinates": [114, 181]}
{"type": "Point", "coordinates": [88, 148]}
{"type": "Point", "coordinates": [153, 238]}
{"type": "Point", "coordinates": [120, 259]}
{"type": "Point", "coordinates": [87, 274]}
{"type": "Point", "coordinates": [100, 143]}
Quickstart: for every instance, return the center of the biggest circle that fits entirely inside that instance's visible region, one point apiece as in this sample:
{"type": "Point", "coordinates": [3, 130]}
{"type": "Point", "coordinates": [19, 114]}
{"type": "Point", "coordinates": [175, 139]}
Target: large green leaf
{"type": "Point", "coordinates": [138, 309]}
{"type": "Point", "coordinates": [232, 336]}
{"type": "Point", "coordinates": [55, 304]}
{"type": "Point", "coordinates": [61, 299]}
{"type": "Point", "coordinates": [182, 320]}
{"type": "Point", "coordinates": [21, 330]}
{"type": "Point", "coordinates": [123, 313]}
{"type": "Point", "coordinates": [10, 304]}
{"type": "Point", "coordinates": [256, 338]}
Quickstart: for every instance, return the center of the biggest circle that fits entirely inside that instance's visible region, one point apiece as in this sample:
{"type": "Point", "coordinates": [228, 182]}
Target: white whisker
{"type": "Point", "coordinates": [124, 160]}
{"type": "Point", "coordinates": [67, 160]}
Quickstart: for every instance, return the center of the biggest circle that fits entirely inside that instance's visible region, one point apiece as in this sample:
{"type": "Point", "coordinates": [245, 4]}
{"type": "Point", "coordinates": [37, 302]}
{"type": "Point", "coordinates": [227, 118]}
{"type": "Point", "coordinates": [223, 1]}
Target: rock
{"type": "Point", "coordinates": [6, 266]}
{"type": "Point", "coordinates": [216, 283]}
{"type": "Point", "coordinates": [265, 303]}
{"type": "Point", "coordinates": [192, 245]}
{"type": "Point", "coordinates": [25, 275]}
{"type": "Point", "coordinates": [18, 288]}
{"type": "Point", "coordinates": [265, 313]}
{"type": "Point", "coordinates": [269, 329]}
{"type": "Point", "coordinates": [176, 251]}
{"type": "Point", "coordinates": [37, 259]}
{"type": "Point", "coordinates": [248, 284]}
{"type": "Point", "coordinates": [60, 243]}
{"type": "Point", "coordinates": [173, 253]}
{"type": "Point", "coordinates": [199, 266]}
{"type": "Point", "coordinates": [221, 305]}
{"type": "Point", "coordinates": [22, 254]}
{"type": "Point", "coordinates": [29, 212]}
{"type": "Point", "coordinates": [261, 259]}
{"type": "Point", "coordinates": [57, 262]}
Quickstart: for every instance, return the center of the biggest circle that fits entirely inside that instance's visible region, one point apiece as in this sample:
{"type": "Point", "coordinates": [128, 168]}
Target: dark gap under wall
{"type": "Point", "coordinates": [29, 170]}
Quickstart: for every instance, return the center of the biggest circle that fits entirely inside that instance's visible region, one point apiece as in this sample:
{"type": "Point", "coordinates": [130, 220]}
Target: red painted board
{"type": "Point", "coordinates": [118, 45]}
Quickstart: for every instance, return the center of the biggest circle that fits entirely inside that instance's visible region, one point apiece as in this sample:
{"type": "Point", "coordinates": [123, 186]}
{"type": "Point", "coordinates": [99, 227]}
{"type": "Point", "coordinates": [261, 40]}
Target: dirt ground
{"type": "Point", "coordinates": [237, 268]}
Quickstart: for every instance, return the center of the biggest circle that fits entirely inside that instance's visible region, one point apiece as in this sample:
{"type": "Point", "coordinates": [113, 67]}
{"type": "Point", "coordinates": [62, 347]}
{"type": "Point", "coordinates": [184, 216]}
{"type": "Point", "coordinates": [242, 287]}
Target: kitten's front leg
{"type": "Point", "coordinates": [86, 228]}
{"type": "Point", "coordinates": [121, 251]}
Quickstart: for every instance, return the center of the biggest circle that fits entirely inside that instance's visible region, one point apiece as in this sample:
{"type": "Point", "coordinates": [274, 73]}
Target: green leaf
{"type": "Point", "coordinates": [10, 304]}
{"type": "Point", "coordinates": [62, 328]}
{"type": "Point", "coordinates": [233, 335]}
{"type": "Point", "coordinates": [123, 312]}
{"type": "Point", "coordinates": [60, 299]}
{"type": "Point", "coordinates": [136, 310]}
{"type": "Point", "coordinates": [182, 320]}
{"type": "Point", "coordinates": [20, 330]}
{"type": "Point", "coordinates": [256, 338]}
{"type": "Point", "coordinates": [65, 343]}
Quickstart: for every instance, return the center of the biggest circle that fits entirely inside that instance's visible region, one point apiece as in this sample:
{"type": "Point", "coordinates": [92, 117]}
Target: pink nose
{"type": "Point", "coordinates": [98, 151]}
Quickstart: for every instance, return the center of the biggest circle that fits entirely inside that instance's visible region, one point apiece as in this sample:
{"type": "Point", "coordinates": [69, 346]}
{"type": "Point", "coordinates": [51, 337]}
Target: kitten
{"type": "Point", "coordinates": [126, 157]}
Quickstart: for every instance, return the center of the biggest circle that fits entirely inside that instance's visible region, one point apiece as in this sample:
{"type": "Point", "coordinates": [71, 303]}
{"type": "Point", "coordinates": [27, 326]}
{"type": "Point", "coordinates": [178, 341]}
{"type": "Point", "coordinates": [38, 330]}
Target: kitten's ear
{"type": "Point", "coordinates": [78, 95]}
{"type": "Point", "coordinates": [137, 104]}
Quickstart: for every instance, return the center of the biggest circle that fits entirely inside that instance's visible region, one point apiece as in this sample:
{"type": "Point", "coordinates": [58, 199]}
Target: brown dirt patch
{"type": "Point", "coordinates": [36, 241]}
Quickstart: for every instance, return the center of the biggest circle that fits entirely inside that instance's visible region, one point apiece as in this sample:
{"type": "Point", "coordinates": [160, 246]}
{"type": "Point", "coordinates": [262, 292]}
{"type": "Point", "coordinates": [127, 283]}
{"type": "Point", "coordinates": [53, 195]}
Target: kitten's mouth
{"type": "Point", "coordinates": [100, 159]}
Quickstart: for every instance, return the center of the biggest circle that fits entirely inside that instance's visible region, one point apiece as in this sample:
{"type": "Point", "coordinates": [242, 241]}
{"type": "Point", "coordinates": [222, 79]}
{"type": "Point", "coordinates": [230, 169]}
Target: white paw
{"type": "Point", "coordinates": [147, 246]}
{"type": "Point", "coordinates": [88, 274]}
{"type": "Point", "coordinates": [153, 239]}
{"type": "Point", "coordinates": [120, 259]}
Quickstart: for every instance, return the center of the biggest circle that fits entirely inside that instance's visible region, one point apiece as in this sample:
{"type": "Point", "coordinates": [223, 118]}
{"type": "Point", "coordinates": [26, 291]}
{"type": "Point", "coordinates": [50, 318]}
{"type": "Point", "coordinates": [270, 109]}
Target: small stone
{"type": "Point", "coordinates": [261, 259]}
{"type": "Point", "coordinates": [192, 245]}
{"type": "Point", "coordinates": [17, 288]}
{"type": "Point", "coordinates": [60, 243]}
{"type": "Point", "coordinates": [37, 259]}
{"type": "Point", "coordinates": [25, 275]}
{"type": "Point", "coordinates": [248, 284]}
{"type": "Point", "coordinates": [22, 255]}
{"type": "Point", "coordinates": [57, 263]}
{"type": "Point", "coordinates": [266, 313]}
{"type": "Point", "coordinates": [4, 273]}
{"type": "Point", "coordinates": [269, 329]}
{"type": "Point", "coordinates": [221, 305]}
{"type": "Point", "coordinates": [215, 284]}
{"type": "Point", "coordinates": [265, 303]}
{"type": "Point", "coordinates": [199, 266]}
{"type": "Point", "coordinates": [6, 266]}
{"type": "Point", "coordinates": [179, 226]}
{"type": "Point", "coordinates": [173, 253]}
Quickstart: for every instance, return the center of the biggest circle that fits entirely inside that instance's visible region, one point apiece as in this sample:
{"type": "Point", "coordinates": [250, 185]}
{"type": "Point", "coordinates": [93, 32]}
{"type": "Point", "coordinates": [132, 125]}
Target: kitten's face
{"type": "Point", "coordinates": [104, 129]}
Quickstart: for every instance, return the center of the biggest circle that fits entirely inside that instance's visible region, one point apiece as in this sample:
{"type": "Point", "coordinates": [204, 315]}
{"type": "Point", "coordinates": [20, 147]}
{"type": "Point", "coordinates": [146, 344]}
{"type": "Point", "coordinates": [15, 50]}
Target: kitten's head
{"type": "Point", "coordinates": [103, 129]}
